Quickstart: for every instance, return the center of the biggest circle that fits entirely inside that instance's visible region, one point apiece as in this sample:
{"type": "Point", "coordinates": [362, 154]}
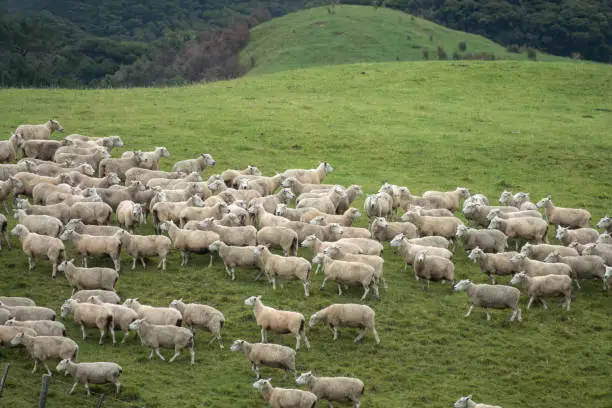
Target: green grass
{"type": "Point", "coordinates": [542, 128]}
{"type": "Point", "coordinates": [314, 37]}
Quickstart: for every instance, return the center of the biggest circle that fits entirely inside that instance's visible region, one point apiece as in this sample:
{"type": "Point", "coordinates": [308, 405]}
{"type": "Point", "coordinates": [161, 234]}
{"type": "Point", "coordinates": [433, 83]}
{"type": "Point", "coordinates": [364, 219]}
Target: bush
{"type": "Point", "coordinates": [532, 54]}
{"type": "Point", "coordinates": [456, 55]}
{"type": "Point", "coordinates": [515, 48]}
{"type": "Point", "coordinates": [462, 46]}
{"type": "Point", "coordinates": [425, 53]}
{"type": "Point", "coordinates": [431, 37]}
{"type": "Point", "coordinates": [442, 54]}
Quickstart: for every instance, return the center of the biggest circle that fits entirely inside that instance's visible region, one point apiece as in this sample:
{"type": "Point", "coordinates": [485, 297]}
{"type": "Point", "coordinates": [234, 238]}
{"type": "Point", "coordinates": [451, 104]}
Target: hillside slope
{"type": "Point", "coordinates": [542, 128]}
{"type": "Point", "coordinates": [357, 34]}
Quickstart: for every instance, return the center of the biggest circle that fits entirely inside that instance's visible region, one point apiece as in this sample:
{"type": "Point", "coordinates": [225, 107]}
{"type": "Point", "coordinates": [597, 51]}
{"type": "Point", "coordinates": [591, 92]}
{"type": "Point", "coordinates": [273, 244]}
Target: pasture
{"type": "Point", "coordinates": [538, 127]}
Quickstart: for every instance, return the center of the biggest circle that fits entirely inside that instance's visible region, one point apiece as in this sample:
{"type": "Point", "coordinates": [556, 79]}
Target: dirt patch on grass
{"type": "Point", "coordinates": [319, 24]}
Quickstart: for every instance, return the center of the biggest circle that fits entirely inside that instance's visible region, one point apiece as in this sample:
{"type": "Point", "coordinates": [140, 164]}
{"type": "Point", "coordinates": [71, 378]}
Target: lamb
{"type": "Point", "coordinates": [187, 241]}
{"type": "Point", "coordinates": [122, 316]}
{"type": "Point", "coordinates": [410, 250]}
{"type": "Point", "coordinates": [43, 348]}
{"type": "Point", "coordinates": [602, 250]}
{"type": "Point", "coordinates": [336, 251]}
{"type": "Point", "coordinates": [39, 246]}
{"type": "Point", "coordinates": [433, 267]}
{"type": "Point", "coordinates": [167, 336]}
{"type": "Point", "coordinates": [451, 199]}
{"type": "Point", "coordinates": [120, 166]}
{"type": "Point", "coordinates": [270, 202]}
{"type": "Point", "coordinates": [384, 231]}
{"type": "Point", "coordinates": [41, 327]}
{"type": "Point", "coordinates": [263, 218]}
{"type": "Point", "coordinates": [143, 246]}
{"type": "Point", "coordinates": [150, 160]}
{"type": "Point", "coordinates": [377, 205]}
{"type": "Point", "coordinates": [350, 194]}
{"type": "Point", "coordinates": [585, 267]}
{"type": "Point", "coordinates": [42, 149]}
{"type": "Point", "coordinates": [90, 213]}
{"type": "Point", "coordinates": [237, 236]}
{"type": "Point", "coordinates": [17, 301]}
{"type": "Point", "coordinates": [581, 235]}
{"type": "Point", "coordinates": [94, 245]}
{"type": "Point", "coordinates": [155, 315]}
{"type": "Point", "coordinates": [527, 228]}
{"type": "Point", "coordinates": [129, 214]}
{"type": "Point", "coordinates": [229, 175]}
{"type": "Point", "coordinates": [279, 321]}
{"type": "Point", "coordinates": [567, 217]}
{"type": "Point", "coordinates": [106, 296]}
{"type": "Point", "coordinates": [203, 317]}
{"type": "Point", "coordinates": [442, 226]}
{"type": "Point", "coordinates": [94, 373]}
{"type": "Point", "coordinates": [466, 402]}
{"type": "Point", "coordinates": [72, 159]}
{"type": "Point", "coordinates": [605, 223]}
{"type": "Point", "coordinates": [350, 315]}
{"type": "Point", "coordinates": [494, 264]}
{"type": "Point", "coordinates": [312, 176]}
{"type": "Point", "coordinates": [487, 240]}
{"type": "Point", "coordinates": [285, 397]}
{"type": "Point", "coordinates": [8, 170]}
{"type": "Point", "coordinates": [271, 355]}
{"type": "Point", "coordinates": [8, 149]}
{"type": "Point", "coordinates": [42, 131]}
{"type": "Point", "coordinates": [88, 278]}
{"type": "Point", "coordinates": [538, 268]}
{"type": "Point", "coordinates": [29, 312]}
{"type": "Point", "coordinates": [342, 389]}
{"type": "Point", "coordinates": [348, 273]}
{"type": "Point", "coordinates": [39, 224]}
{"type": "Point", "coordinates": [326, 204]}
{"type": "Point", "coordinates": [539, 286]}
{"type": "Point", "coordinates": [284, 268]}
{"type": "Point", "coordinates": [90, 315]}
{"type": "Point", "coordinates": [491, 296]}
{"type": "Point", "coordinates": [541, 251]}
{"type": "Point", "coordinates": [84, 181]}
{"type": "Point", "coordinates": [233, 256]}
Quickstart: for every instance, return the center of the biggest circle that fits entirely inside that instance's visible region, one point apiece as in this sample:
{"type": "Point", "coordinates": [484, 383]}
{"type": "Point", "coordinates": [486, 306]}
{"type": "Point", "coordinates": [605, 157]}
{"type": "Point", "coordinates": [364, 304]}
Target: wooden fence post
{"type": "Point", "coordinates": [100, 401]}
{"type": "Point", "coordinates": [43, 391]}
{"type": "Point", "coordinates": [6, 368]}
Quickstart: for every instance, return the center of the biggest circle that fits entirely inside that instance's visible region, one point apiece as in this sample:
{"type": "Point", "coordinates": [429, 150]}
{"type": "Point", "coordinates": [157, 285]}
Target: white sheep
{"type": "Point", "coordinates": [88, 278]}
{"type": "Point", "coordinates": [485, 239]}
{"type": "Point", "coordinates": [39, 224]}
{"type": "Point", "coordinates": [271, 355]}
{"type": "Point", "coordinates": [106, 296]}
{"type": "Point", "coordinates": [144, 246]}
{"type": "Point", "coordinates": [8, 333]}
{"type": "Point", "coordinates": [347, 273]}
{"type": "Point", "coordinates": [39, 246]}
{"type": "Point", "coordinates": [541, 251]}
{"type": "Point", "coordinates": [279, 321]}
{"type": "Point", "coordinates": [349, 315]}
{"type": "Point", "coordinates": [95, 213]}
{"type": "Point", "coordinates": [336, 251]}
{"type": "Point", "coordinates": [384, 231]}
{"type": "Point", "coordinates": [538, 268]}
{"type": "Point", "coordinates": [326, 203]}
{"type": "Point", "coordinates": [4, 230]}
{"type": "Point", "coordinates": [29, 312]}
{"type": "Point", "coordinates": [155, 315]}
{"type": "Point", "coordinates": [451, 199]}
{"type": "Point", "coordinates": [606, 223]}
{"type": "Point", "coordinates": [585, 266]}
{"type": "Point", "coordinates": [41, 327]}
{"type": "Point", "coordinates": [91, 373]}
{"type": "Point", "coordinates": [42, 131]}
{"type": "Point", "coordinates": [602, 250]}
{"type": "Point", "coordinates": [90, 315]}
{"type": "Point", "coordinates": [17, 301]}
{"type": "Point", "coordinates": [442, 226]}
{"type": "Point", "coordinates": [270, 202]}
{"type": "Point", "coordinates": [433, 212]}
{"type": "Point", "coordinates": [167, 336]}
{"type": "Point", "coordinates": [129, 214]}
{"type": "Point", "coordinates": [122, 316]}
{"type": "Point", "coordinates": [262, 218]}
{"type": "Point", "coordinates": [539, 286]}
{"type": "Point", "coordinates": [150, 160]}
{"type": "Point", "coordinates": [284, 268]}
{"type": "Point", "coordinates": [9, 148]}
{"type": "Point", "coordinates": [341, 389]}
{"type": "Point", "coordinates": [527, 228]}
{"type": "Point", "coordinates": [200, 316]}
{"type": "Point", "coordinates": [194, 165]}
{"type": "Point", "coordinates": [119, 166]}
{"type": "Point", "coordinates": [229, 175]}
{"type": "Point", "coordinates": [43, 348]}
{"type": "Point", "coordinates": [233, 256]}
{"type": "Point", "coordinates": [410, 250]}
{"type": "Point", "coordinates": [491, 296]}
{"type": "Point", "coordinates": [567, 217]}
{"type": "Point", "coordinates": [581, 235]}
{"type": "Point", "coordinates": [236, 236]}
{"type": "Point", "coordinates": [95, 245]}
{"type": "Point", "coordinates": [478, 213]}
{"type": "Point", "coordinates": [433, 268]}
{"type": "Point", "coordinates": [312, 176]}
{"type": "Point", "coordinates": [466, 402]}
{"type": "Point", "coordinates": [284, 397]}
{"type": "Point", "coordinates": [187, 241]}
{"type": "Point", "coordinates": [494, 264]}
{"type": "Point", "coordinates": [377, 205]}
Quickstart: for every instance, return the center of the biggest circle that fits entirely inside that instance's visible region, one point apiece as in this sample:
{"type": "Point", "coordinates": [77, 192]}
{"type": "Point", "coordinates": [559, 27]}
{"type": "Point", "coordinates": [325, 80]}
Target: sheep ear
{"type": "Point", "coordinates": [469, 396]}
{"type": "Point", "coordinates": [71, 261]}
{"type": "Point", "coordinates": [180, 300]}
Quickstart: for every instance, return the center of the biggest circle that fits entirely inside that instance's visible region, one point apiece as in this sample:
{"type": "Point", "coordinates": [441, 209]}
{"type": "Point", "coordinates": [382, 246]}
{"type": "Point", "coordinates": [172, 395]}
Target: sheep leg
{"type": "Point", "coordinates": [544, 303]}
{"type": "Point", "coordinates": [384, 282]}
{"type": "Point", "coordinates": [297, 342]}
{"type": "Point", "coordinates": [577, 283]}
{"type": "Point", "coordinates": [317, 270]}
{"type": "Point", "coordinates": [264, 335]}
{"type": "Point", "coordinates": [159, 354]}
{"type": "Point", "coordinates": [376, 335]}
{"type": "Point", "coordinates": [365, 292]}
{"type": "Point", "coordinates": [531, 299]}
{"type": "Point", "coordinates": [229, 273]}
{"type": "Point", "coordinates": [339, 289]}
{"type": "Point", "coordinates": [84, 261]}
{"type": "Point", "coordinates": [102, 333]}
{"type": "Point", "coordinates": [469, 311]}
{"type": "Point", "coordinates": [125, 336]}
{"type": "Point", "coordinates": [117, 387]}
{"type": "Point", "coordinates": [133, 263]}
{"type": "Point", "coordinates": [192, 352]}
{"type": "Point", "coordinates": [73, 387]}
{"type": "Point", "coordinates": [176, 354]}
{"type": "Point", "coordinates": [6, 237]}
{"type": "Point", "coordinates": [83, 332]}
{"type": "Point", "coordinates": [360, 335]}
{"type": "Point", "coordinates": [48, 370]}
{"type": "Point", "coordinates": [274, 283]}
{"type": "Point", "coordinates": [233, 273]}
{"type": "Point", "coordinates": [144, 265]}
{"type": "Point", "coordinates": [31, 263]}
{"type": "Point", "coordinates": [306, 292]}
{"type": "Point", "coordinates": [86, 385]}
{"type": "Point", "coordinates": [376, 293]}
{"type": "Point", "coordinates": [487, 313]}
{"type": "Point", "coordinates": [568, 300]}
{"type": "Point", "coordinates": [335, 330]}
{"type": "Point", "coordinates": [306, 341]}
{"type": "Point", "coordinates": [35, 366]}
{"type": "Point", "coordinates": [255, 368]}
{"type": "Point", "coordinates": [151, 355]}
{"type": "Point", "coordinates": [117, 263]}
{"type": "Point", "coordinates": [323, 284]}
{"type": "Point", "coordinates": [111, 329]}
{"type": "Point", "coordinates": [5, 207]}
{"type": "Point", "coordinates": [211, 260]}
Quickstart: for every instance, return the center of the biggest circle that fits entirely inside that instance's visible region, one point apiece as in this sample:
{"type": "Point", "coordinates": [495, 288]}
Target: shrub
{"type": "Point", "coordinates": [462, 46]}
{"type": "Point", "coordinates": [425, 53]}
{"type": "Point", "coordinates": [430, 37]}
{"type": "Point", "coordinates": [532, 54]}
{"type": "Point", "coordinates": [515, 48]}
{"type": "Point", "coordinates": [441, 53]}
{"type": "Point", "coordinates": [456, 55]}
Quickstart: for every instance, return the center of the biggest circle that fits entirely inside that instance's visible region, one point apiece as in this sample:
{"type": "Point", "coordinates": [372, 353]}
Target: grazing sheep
{"type": "Point", "coordinates": [527, 228]}
{"type": "Point", "coordinates": [538, 268]}
{"type": "Point", "coordinates": [233, 256]}
{"type": "Point", "coordinates": [237, 236]}
{"type": "Point", "coordinates": [384, 231]}
{"type": "Point", "coordinates": [106, 296]}
{"type": "Point", "coordinates": [91, 373]}
{"type": "Point", "coordinates": [442, 226]}
{"type": "Point", "coordinates": [29, 312]}
{"type": "Point", "coordinates": [271, 355]}
{"type": "Point", "coordinates": [581, 235]}
{"type": "Point", "coordinates": [17, 301]}
{"type": "Point", "coordinates": [129, 214]}
{"type": "Point", "coordinates": [167, 336]}
{"type": "Point", "coordinates": [487, 240]}
{"type": "Point", "coordinates": [491, 296]}
{"type": "Point", "coordinates": [120, 166]}
{"type": "Point", "coordinates": [284, 268]}
{"type": "Point", "coordinates": [494, 264]}
{"type": "Point", "coordinates": [203, 317]}
{"type": "Point", "coordinates": [451, 199]}
{"type": "Point", "coordinates": [90, 315]}
{"type": "Point", "coordinates": [466, 402]}
{"type": "Point", "coordinates": [262, 218]}
{"type": "Point", "coordinates": [39, 224]}
{"type": "Point", "coordinates": [605, 223]}
{"type": "Point", "coordinates": [43, 348]}
{"type": "Point", "coordinates": [541, 251]}
{"type": "Point", "coordinates": [312, 176]}
{"type": "Point", "coordinates": [567, 217]}
{"type": "Point", "coordinates": [144, 246]}
{"type": "Point", "coordinates": [42, 131]}
{"type": "Point", "coordinates": [187, 241]}
{"type": "Point", "coordinates": [42, 149]}
{"type": "Point", "coordinates": [602, 250]}
{"type": "Point", "coordinates": [350, 315]}
{"type": "Point", "coordinates": [86, 245]}
{"type": "Point", "coordinates": [584, 267]}
{"type": "Point", "coordinates": [88, 278]}
{"type": "Point", "coordinates": [150, 160]}
{"type": "Point", "coordinates": [284, 397]}
{"type": "Point", "coordinates": [41, 327]}
{"type": "Point", "coordinates": [279, 321]}
{"type": "Point", "coordinates": [539, 286]}
{"type": "Point", "coordinates": [347, 273]}
{"type": "Point", "coordinates": [155, 315]}
{"type": "Point", "coordinates": [4, 230]}
{"type": "Point", "coordinates": [433, 268]}
{"type": "Point", "coordinates": [39, 246]}
{"type": "Point", "coordinates": [194, 165]}
{"type": "Point", "coordinates": [122, 316]}
{"type": "Point", "coordinates": [229, 175]}
{"type": "Point", "coordinates": [8, 170]}
{"type": "Point", "coordinates": [342, 389]}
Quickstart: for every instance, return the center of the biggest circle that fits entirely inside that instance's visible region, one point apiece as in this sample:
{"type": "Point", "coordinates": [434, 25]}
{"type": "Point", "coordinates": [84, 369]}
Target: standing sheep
{"type": "Point", "coordinates": [433, 268]}
{"type": "Point", "coordinates": [88, 278]}
{"type": "Point", "coordinates": [341, 389]}
{"type": "Point", "coordinates": [233, 256]}
{"type": "Point", "coordinates": [29, 312]}
{"type": "Point", "coordinates": [91, 373]}
{"type": "Point", "coordinates": [285, 397]}
{"type": "Point", "coordinates": [581, 235]}
{"type": "Point", "coordinates": [494, 264]}
{"type": "Point", "coordinates": [539, 286]}
{"type": "Point", "coordinates": [90, 315]}
{"type": "Point", "coordinates": [541, 251]}
{"type": "Point", "coordinates": [271, 355]}
{"type": "Point", "coordinates": [39, 246]}
{"type": "Point", "coordinates": [491, 296]}
{"type": "Point", "coordinates": [122, 316]}
{"type": "Point", "coordinates": [486, 240]}
{"type": "Point", "coordinates": [194, 165]}
{"type": "Point", "coordinates": [187, 241]}
{"type": "Point", "coordinates": [144, 246]}
{"type": "Point", "coordinates": [284, 268]}
{"type": "Point", "coordinates": [129, 214]}
{"type": "Point", "coordinates": [95, 245]}
{"type": "Point", "coordinates": [203, 317]}
{"type": "Point", "coordinates": [567, 217]}
{"type": "Point", "coordinates": [312, 176]}
{"type": "Point", "coordinates": [451, 199]}
{"type": "Point", "coordinates": [167, 336]}
{"type": "Point", "coordinates": [350, 315]}
{"type": "Point", "coordinates": [43, 348]}
{"type": "Point", "coordinates": [155, 315]}
{"type": "Point", "coordinates": [585, 266]}
{"type": "Point", "coordinates": [42, 131]}
{"type": "Point", "coordinates": [41, 327]}
{"type": "Point", "coordinates": [605, 223]}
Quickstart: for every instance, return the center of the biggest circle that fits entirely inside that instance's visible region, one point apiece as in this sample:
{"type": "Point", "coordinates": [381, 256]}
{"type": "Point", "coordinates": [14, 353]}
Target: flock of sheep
{"type": "Point", "coordinates": [239, 215]}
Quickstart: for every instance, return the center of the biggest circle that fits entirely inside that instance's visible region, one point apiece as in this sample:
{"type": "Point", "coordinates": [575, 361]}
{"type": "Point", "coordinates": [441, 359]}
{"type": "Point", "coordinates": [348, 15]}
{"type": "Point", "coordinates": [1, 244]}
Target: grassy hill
{"type": "Point", "coordinates": [353, 34]}
{"type": "Point", "coordinates": [542, 128]}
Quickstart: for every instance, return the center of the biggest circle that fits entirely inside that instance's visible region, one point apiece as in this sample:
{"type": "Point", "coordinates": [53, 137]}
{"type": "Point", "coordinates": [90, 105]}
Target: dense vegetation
{"type": "Point", "coordinates": [542, 128]}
